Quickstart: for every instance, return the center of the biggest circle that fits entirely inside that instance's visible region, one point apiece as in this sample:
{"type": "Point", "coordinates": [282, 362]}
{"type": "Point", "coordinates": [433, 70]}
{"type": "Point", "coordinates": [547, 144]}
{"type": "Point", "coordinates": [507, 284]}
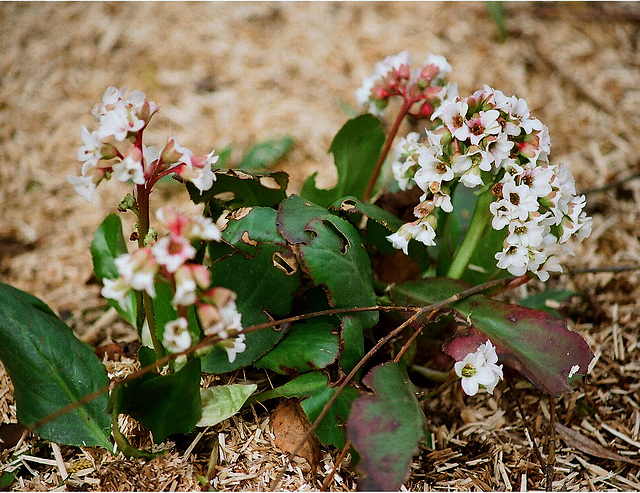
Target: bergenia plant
{"type": "Point", "coordinates": [292, 284]}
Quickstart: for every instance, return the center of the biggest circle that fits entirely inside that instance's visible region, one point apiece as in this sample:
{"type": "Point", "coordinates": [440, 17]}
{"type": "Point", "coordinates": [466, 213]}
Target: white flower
{"type": "Point", "coordinates": [479, 369]}
{"type": "Point", "coordinates": [525, 233]}
{"type": "Point", "coordinates": [110, 97]}
{"type": "Point", "coordinates": [130, 168]}
{"type": "Point", "coordinates": [119, 122]}
{"type": "Point", "coordinates": [187, 279]}
{"type": "Point", "coordinates": [84, 186]}
{"type": "Point", "coordinates": [432, 172]}
{"type": "Point", "coordinates": [198, 170]}
{"type": "Point", "coordinates": [237, 346]}
{"type": "Point", "coordinates": [454, 116]}
{"type": "Point", "coordinates": [420, 230]}
{"type": "Point", "coordinates": [172, 251]}
{"type": "Point", "coordinates": [439, 61]}
{"type": "Point", "coordinates": [176, 336]}
{"type": "Point", "coordinates": [514, 259]}
{"type": "Point", "coordinates": [138, 270]}
{"type": "Point", "coordinates": [521, 199]}
{"type": "Point", "coordinates": [117, 289]}
{"type": "Point", "coordinates": [403, 166]}
{"type": "Point", "coordinates": [485, 124]}
{"type": "Point", "coordinates": [89, 152]}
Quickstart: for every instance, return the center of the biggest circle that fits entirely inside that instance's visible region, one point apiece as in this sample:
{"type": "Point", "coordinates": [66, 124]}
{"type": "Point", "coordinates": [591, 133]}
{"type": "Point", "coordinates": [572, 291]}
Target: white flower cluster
{"type": "Point", "coordinates": [123, 118]}
{"type": "Point", "coordinates": [393, 77]}
{"type": "Point", "coordinates": [491, 140]}
{"type": "Point", "coordinates": [170, 258]}
{"type": "Point", "coordinates": [479, 369]}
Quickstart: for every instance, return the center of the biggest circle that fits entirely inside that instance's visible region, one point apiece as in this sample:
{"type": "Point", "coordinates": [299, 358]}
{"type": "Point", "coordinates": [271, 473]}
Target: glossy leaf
{"type": "Point", "coordinates": [356, 148]}
{"type": "Point", "coordinates": [539, 301]}
{"type": "Point", "coordinates": [165, 404]}
{"type": "Point", "coordinates": [108, 244]}
{"type": "Point", "coordinates": [264, 281]}
{"type": "Point", "coordinates": [385, 429]}
{"type": "Point", "coordinates": [538, 345]}
{"type": "Point", "coordinates": [50, 368]}
{"type": "Point", "coordinates": [223, 401]}
{"type": "Point", "coordinates": [265, 154]}
{"type": "Point", "coordinates": [354, 207]}
{"type": "Point", "coordinates": [309, 345]}
{"type": "Point", "coordinates": [315, 393]}
{"type": "Point", "coordinates": [331, 253]}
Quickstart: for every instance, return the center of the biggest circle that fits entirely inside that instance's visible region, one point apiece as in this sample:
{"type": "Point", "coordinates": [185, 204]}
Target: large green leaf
{"type": "Point", "coordinates": [265, 154]}
{"type": "Point", "coordinates": [263, 274]}
{"type": "Point", "coordinates": [385, 429]}
{"type": "Point", "coordinates": [50, 369]}
{"type": "Point", "coordinates": [309, 345]}
{"type": "Point", "coordinates": [223, 401]}
{"type": "Point", "coordinates": [538, 345]}
{"type": "Point", "coordinates": [108, 244]}
{"type": "Point", "coordinates": [314, 390]}
{"type": "Point", "coordinates": [331, 253]}
{"type": "Point", "coordinates": [356, 149]}
{"type": "Point", "coordinates": [165, 404]}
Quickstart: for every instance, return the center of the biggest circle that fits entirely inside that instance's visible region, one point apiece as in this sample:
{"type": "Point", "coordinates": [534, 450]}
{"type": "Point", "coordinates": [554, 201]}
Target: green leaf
{"type": "Point", "coordinates": [163, 309]}
{"type": "Point", "coordinates": [330, 251]}
{"type": "Point", "coordinates": [385, 429]}
{"type": "Point", "coordinates": [263, 274]}
{"type": "Point", "coordinates": [314, 390]}
{"type": "Point", "coordinates": [538, 345]}
{"type": "Point", "coordinates": [165, 404]}
{"type": "Point", "coordinates": [309, 345]}
{"type": "Point", "coordinates": [539, 301]}
{"type": "Point", "coordinates": [108, 244]}
{"type": "Point", "coordinates": [354, 207]}
{"type": "Point", "coordinates": [234, 189]}
{"type": "Point", "coordinates": [265, 154]}
{"type": "Point", "coordinates": [223, 401]}
{"type": "Point", "coordinates": [50, 369]}
{"type": "Point", "coordinates": [6, 480]}
{"type": "Point", "coordinates": [356, 149]}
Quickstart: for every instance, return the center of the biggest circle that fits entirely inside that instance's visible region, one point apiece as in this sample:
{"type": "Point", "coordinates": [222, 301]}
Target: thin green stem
{"type": "Point", "coordinates": [479, 222]}
{"type": "Point", "coordinates": [368, 192]}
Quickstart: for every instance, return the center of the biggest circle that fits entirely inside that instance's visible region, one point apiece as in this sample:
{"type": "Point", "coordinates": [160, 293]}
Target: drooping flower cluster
{"type": "Point", "coordinates": [124, 119]}
{"type": "Point", "coordinates": [393, 77]}
{"type": "Point", "coordinates": [479, 369]}
{"type": "Point", "coordinates": [489, 140]}
{"type": "Point", "coordinates": [170, 259]}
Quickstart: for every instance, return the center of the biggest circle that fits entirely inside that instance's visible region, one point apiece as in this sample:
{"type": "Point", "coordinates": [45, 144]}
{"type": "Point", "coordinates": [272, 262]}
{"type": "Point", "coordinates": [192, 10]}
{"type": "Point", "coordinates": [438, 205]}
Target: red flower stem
{"type": "Point", "coordinates": [366, 196]}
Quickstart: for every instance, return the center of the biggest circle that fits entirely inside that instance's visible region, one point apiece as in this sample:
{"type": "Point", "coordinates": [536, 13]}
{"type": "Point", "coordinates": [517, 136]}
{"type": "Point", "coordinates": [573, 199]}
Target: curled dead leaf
{"type": "Point", "coordinates": [580, 442]}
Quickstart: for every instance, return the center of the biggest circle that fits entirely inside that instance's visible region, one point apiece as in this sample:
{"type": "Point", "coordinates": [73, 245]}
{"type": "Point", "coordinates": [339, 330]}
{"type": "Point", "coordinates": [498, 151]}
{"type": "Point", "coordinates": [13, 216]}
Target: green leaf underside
{"type": "Point", "coordinates": [260, 282]}
{"type": "Point", "coordinates": [538, 345]}
{"type": "Point", "coordinates": [307, 346]}
{"type": "Point", "coordinates": [265, 154]}
{"type": "Point", "coordinates": [539, 301]}
{"type": "Point", "coordinates": [356, 148]}
{"type": "Point", "coordinates": [385, 429]}
{"type": "Point", "coordinates": [108, 244]}
{"type": "Point", "coordinates": [234, 189]}
{"type": "Point", "coordinates": [223, 401]}
{"type": "Point", "coordinates": [331, 252]}
{"type": "Point", "coordinates": [165, 404]}
{"type": "Point", "coordinates": [50, 368]}
{"type": "Point", "coordinates": [312, 388]}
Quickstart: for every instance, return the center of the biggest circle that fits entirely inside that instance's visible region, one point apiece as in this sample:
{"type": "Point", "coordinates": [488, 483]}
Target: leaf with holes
{"type": "Point", "coordinates": [264, 274]}
{"type": "Point", "coordinates": [50, 368]}
{"type": "Point", "coordinates": [234, 189]}
{"type": "Point", "coordinates": [309, 345]}
{"type": "Point", "coordinates": [313, 388]}
{"type": "Point", "coordinates": [385, 428]}
{"type": "Point", "coordinates": [538, 345]}
{"type": "Point", "coordinates": [331, 253]}
{"type": "Point", "coordinates": [356, 148]}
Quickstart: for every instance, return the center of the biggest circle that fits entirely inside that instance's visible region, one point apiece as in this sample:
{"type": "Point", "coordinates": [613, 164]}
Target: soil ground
{"type": "Point", "coordinates": [245, 72]}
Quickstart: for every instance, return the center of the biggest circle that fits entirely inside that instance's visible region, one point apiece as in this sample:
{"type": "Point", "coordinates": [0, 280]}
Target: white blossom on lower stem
{"type": "Point", "coordinates": [479, 369]}
{"type": "Point", "coordinates": [116, 289]}
{"type": "Point", "coordinates": [130, 168]}
{"type": "Point", "coordinates": [188, 278]}
{"type": "Point", "coordinates": [138, 270]}
{"type": "Point", "coordinates": [514, 258]}
{"type": "Point", "coordinates": [420, 230]}
{"type": "Point", "coordinates": [90, 152]}
{"type": "Point", "coordinates": [176, 336]}
{"type": "Point", "coordinates": [234, 347]}
{"type": "Point", "coordinates": [198, 170]}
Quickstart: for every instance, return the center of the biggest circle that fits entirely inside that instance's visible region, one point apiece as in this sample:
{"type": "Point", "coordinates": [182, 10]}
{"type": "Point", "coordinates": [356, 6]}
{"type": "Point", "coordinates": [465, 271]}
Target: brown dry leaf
{"type": "Point", "coordinates": [290, 424]}
{"type": "Point", "coordinates": [579, 441]}
{"type": "Point", "coordinates": [10, 434]}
